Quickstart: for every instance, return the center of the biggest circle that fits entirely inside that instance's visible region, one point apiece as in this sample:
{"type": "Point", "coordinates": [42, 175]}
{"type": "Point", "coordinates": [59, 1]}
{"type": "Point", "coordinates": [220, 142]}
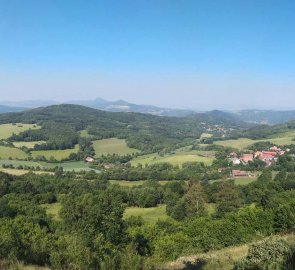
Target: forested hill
{"type": "Point", "coordinates": [142, 131]}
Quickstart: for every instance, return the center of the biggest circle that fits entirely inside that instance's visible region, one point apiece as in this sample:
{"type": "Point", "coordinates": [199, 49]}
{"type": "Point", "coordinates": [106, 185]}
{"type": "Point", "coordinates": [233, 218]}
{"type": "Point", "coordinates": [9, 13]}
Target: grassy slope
{"type": "Point", "coordinates": [151, 215]}
{"type": "Point", "coordinates": [285, 138]}
{"type": "Point", "coordinates": [10, 152]}
{"type": "Point", "coordinates": [177, 158]}
{"type": "Point", "coordinates": [21, 172]}
{"type": "Point", "coordinates": [57, 154]}
{"type": "Point", "coordinates": [112, 146]}
{"type": "Point", "coordinates": [223, 259]}
{"type": "Point", "coordinates": [125, 183]}
{"type": "Point", "coordinates": [6, 130]}
{"type": "Point", "coordinates": [68, 166]}
{"type": "Point", "coordinates": [29, 145]}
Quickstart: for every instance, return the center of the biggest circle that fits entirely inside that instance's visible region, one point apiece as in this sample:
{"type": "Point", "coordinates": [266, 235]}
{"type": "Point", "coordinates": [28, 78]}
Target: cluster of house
{"type": "Point", "coordinates": [269, 156]}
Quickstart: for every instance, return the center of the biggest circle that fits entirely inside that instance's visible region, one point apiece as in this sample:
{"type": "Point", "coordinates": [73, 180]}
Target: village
{"type": "Point", "coordinates": [268, 156]}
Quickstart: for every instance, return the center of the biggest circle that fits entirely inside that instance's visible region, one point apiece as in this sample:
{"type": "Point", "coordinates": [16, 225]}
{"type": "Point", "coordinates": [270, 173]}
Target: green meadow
{"type": "Point", "coordinates": [112, 146]}
{"type": "Point", "coordinates": [281, 139]}
{"type": "Point", "coordinates": [151, 215]}
{"type": "Point", "coordinates": [125, 183]}
{"type": "Point", "coordinates": [178, 158]}
{"type": "Point", "coordinates": [6, 130]}
{"type": "Point", "coordinates": [29, 145]}
{"type": "Point", "coordinates": [11, 152]}
{"type": "Point", "coordinates": [67, 166]}
{"type": "Point", "coordinates": [57, 154]}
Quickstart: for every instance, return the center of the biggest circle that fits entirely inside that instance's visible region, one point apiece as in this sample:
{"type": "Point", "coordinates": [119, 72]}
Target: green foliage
{"type": "Point", "coordinates": [269, 255]}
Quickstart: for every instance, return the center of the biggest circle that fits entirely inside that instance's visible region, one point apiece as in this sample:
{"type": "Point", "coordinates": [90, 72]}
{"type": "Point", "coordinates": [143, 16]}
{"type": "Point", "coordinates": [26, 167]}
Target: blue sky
{"type": "Point", "coordinates": [224, 54]}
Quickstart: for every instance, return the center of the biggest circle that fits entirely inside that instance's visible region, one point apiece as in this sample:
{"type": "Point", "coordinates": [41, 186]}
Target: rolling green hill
{"type": "Point", "coordinates": [149, 133]}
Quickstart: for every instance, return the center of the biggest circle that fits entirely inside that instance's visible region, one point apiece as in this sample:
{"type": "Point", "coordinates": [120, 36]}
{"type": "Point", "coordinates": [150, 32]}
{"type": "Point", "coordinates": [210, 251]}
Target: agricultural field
{"type": "Point", "coordinates": [11, 152]}
{"type": "Point", "coordinates": [112, 146]}
{"type": "Point", "coordinates": [151, 215]}
{"type": "Point", "coordinates": [240, 181]}
{"type": "Point", "coordinates": [18, 172]}
{"type": "Point", "coordinates": [57, 154]}
{"type": "Point", "coordinates": [29, 145]}
{"type": "Point", "coordinates": [285, 138]}
{"type": "Point", "coordinates": [178, 158]}
{"type": "Point", "coordinates": [6, 130]}
{"type": "Point", "coordinates": [240, 144]}
{"type": "Point", "coordinates": [206, 135]}
{"type": "Point", "coordinates": [125, 183]}
{"type": "Point", "coordinates": [67, 166]}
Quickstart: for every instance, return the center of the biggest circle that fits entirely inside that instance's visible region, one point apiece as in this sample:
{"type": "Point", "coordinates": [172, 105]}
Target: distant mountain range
{"type": "Point", "coordinates": [6, 109]}
{"type": "Point", "coordinates": [269, 117]}
{"type": "Point", "coordinates": [102, 104]}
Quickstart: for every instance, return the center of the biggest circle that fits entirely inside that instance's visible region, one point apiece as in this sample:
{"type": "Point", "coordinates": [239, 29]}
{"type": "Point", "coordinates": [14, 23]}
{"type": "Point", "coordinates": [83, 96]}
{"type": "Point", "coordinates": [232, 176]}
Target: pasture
{"type": "Point", "coordinates": [67, 166]}
{"type": "Point", "coordinates": [150, 215]}
{"type": "Point", "coordinates": [178, 158]}
{"type": "Point", "coordinates": [206, 135]}
{"type": "Point", "coordinates": [240, 181]}
{"type": "Point", "coordinates": [29, 145]}
{"type": "Point", "coordinates": [57, 154]}
{"type": "Point", "coordinates": [112, 146]}
{"type": "Point", "coordinates": [6, 130]}
{"type": "Point", "coordinates": [18, 172]}
{"type": "Point", "coordinates": [281, 139]}
{"type": "Point", "coordinates": [11, 152]}
{"type": "Point", "coordinates": [125, 183]}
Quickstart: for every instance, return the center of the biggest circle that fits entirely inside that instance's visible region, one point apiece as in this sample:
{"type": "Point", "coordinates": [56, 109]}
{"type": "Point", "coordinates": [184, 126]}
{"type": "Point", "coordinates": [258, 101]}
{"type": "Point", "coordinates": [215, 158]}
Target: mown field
{"type": "Point", "coordinates": [112, 146]}
{"type": "Point", "coordinates": [67, 166]}
{"type": "Point", "coordinates": [6, 130]}
{"type": "Point", "coordinates": [240, 181]}
{"type": "Point", "coordinates": [29, 145]}
{"type": "Point", "coordinates": [285, 138]}
{"type": "Point", "coordinates": [57, 154]}
{"type": "Point", "coordinates": [125, 183]}
{"type": "Point", "coordinates": [18, 172]}
{"type": "Point", "coordinates": [151, 215]}
{"type": "Point", "coordinates": [178, 158]}
{"type": "Point", "coordinates": [11, 152]}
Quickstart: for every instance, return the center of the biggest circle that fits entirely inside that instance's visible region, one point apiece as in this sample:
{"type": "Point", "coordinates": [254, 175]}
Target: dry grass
{"type": "Point", "coordinates": [223, 259]}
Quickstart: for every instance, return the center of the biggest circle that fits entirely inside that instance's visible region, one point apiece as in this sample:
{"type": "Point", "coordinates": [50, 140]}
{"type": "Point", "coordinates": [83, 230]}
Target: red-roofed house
{"type": "Point", "coordinates": [238, 173]}
{"type": "Point", "coordinates": [269, 153]}
{"type": "Point", "coordinates": [275, 148]}
{"type": "Point", "coordinates": [246, 158]}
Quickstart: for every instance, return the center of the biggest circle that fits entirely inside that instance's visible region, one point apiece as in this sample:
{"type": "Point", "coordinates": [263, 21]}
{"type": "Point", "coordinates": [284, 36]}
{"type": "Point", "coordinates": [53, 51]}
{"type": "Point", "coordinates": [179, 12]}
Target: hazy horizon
{"type": "Point", "coordinates": [199, 55]}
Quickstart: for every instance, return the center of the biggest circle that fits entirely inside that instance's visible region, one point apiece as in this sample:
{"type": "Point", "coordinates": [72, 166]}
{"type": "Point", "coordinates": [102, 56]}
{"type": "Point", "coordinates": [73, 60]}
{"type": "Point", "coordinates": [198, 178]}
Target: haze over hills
{"type": "Point", "coordinates": [269, 117]}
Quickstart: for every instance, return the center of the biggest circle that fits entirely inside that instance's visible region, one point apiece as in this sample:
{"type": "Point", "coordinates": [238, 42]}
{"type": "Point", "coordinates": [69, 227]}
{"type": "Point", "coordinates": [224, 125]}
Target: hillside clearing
{"type": "Point", "coordinates": [6, 130]}
{"type": "Point", "coordinates": [53, 210]}
{"type": "Point", "coordinates": [151, 215]}
{"type": "Point", "coordinates": [223, 259]}
{"type": "Point", "coordinates": [19, 172]}
{"type": "Point", "coordinates": [67, 166]}
{"type": "Point", "coordinates": [125, 183]}
{"type": "Point", "coordinates": [29, 145]}
{"type": "Point", "coordinates": [11, 152]}
{"type": "Point", "coordinates": [178, 158]}
{"type": "Point", "coordinates": [281, 139]}
{"type": "Point", "coordinates": [112, 146]}
{"type": "Point", "coordinates": [57, 154]}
